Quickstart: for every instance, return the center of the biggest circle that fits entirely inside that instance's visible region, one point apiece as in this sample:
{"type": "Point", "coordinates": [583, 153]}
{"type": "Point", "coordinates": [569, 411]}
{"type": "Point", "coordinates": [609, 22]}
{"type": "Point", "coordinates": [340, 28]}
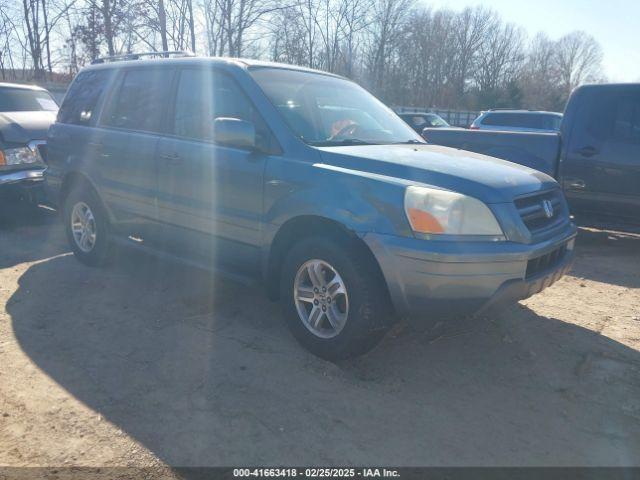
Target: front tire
{"type": "Point", "coordinates": [87, 227]}
{"type": "Point", "coordinates": [334, 300]}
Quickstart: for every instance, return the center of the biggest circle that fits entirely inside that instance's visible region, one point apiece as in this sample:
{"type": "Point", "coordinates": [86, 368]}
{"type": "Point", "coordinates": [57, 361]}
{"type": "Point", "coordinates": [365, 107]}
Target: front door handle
{"type": "Point", "coordinates": [588, 151]}
{"type": "Point", "coordinates": [576, 185]}
{"type": "Point", "coordinates": [172, 158]}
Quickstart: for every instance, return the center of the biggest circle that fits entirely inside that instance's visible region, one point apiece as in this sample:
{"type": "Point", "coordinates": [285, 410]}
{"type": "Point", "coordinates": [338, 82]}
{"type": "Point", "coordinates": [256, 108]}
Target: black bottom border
{"type": "Point", "coordinates": [403, 473]}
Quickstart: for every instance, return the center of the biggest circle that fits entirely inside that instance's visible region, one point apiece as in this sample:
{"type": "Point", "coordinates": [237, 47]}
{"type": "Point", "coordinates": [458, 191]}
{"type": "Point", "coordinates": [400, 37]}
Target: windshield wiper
{"type": "Point", "coordinates": [412, 141]}
{"type": "Point", "coordinates": [342, 142]}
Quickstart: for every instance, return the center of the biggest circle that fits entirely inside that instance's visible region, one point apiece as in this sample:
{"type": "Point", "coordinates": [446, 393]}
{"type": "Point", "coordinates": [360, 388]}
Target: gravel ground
{"type": "Point", "coordinates": [149, 364]}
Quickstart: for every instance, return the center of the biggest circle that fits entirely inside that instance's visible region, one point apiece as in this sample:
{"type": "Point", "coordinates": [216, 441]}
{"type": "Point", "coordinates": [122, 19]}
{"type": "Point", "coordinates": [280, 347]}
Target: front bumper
{"type": "Point", "coordinates": [23, 184]}
{"type": "Point", "coordinates": [428, 278]}
{"type": "Point", "coordinates": [26, 177]}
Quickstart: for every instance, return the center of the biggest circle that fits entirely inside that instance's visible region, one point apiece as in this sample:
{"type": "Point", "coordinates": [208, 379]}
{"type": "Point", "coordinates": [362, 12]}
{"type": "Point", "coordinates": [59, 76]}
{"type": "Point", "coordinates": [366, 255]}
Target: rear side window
{"type": "Point", "coordinates": [82, 98]}
{"type": "Point", "coordinates": [626, 122]}
{"type": "Point", "coordinates": [499, 120]}
{"type": "Point", "coordinates": [612, 116]}
{"type": "Point", "coordinates": [507, 120]}
{"type": "Point", "coordinates": [140, 100]}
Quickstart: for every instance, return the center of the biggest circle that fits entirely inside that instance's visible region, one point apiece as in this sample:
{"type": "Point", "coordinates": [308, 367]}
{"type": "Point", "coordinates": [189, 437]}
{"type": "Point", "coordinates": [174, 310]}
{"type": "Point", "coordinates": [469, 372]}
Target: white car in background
{"type": "Point", "coordinates": [518, 121]}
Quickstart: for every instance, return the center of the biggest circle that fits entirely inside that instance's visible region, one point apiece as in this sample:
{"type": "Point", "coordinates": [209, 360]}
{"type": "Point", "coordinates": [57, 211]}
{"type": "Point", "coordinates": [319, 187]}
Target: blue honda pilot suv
{"type": "Point", "coordinates": [305, 181]}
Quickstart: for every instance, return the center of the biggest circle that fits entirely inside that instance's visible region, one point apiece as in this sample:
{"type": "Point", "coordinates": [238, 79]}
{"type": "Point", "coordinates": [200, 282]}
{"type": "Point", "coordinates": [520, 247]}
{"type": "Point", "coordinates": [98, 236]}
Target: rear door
{"type": "Point", "coordinates": [125, 144]}
{"type": "Point", "coordinates": [210, 196]}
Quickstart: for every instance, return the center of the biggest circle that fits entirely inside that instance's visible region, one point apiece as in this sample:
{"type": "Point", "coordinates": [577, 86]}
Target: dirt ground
{"type": "Point", "coordinates": [146, 363]}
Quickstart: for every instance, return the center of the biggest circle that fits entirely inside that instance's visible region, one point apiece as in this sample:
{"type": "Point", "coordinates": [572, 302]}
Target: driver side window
{"type": "Point", "coordinates": [204, 95]}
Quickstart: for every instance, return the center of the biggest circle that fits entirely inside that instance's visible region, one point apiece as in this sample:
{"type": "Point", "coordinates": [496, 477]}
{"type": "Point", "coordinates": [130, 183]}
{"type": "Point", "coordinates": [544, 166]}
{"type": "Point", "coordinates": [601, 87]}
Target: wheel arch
{"type": "Point", "coordinates": [305, 226]}
{"type": "Point", "coordinates": [75, 179]}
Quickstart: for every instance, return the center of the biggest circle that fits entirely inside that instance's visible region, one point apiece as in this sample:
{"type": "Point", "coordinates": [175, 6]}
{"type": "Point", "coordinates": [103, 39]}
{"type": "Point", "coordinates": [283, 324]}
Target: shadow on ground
{"type": "Point", "coordinates": [616, 248]}
{"type": "Point", "coordinates": [30, 226]}
{"type": "Point", "coordinates": [202, 372]}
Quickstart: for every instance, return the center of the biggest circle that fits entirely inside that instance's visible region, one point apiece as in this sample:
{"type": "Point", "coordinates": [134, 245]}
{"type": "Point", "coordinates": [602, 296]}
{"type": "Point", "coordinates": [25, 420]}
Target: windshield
{"type": "Point", "coordinates": [325, 111]}
{"type": "Point", "coordinates": [25, 100]}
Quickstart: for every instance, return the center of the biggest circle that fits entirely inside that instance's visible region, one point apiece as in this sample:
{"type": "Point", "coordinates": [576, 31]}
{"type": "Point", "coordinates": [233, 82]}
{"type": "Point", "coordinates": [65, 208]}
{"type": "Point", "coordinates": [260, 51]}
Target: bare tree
{"type": "Point", "coordinates": [406, 54]}
{"type": "Point", "coordinates": [355, 22]}
{"type": "Point", "coordinates": [192, 25]}
{"type": "Point", "coordinates": [578, 59]}
{"type": "Point", "coordinates": [426, 52]}
{"type": "Point", "coordinates": [162, 25]}
{"type": "Point", "coordinates": [229, 22]}
{"type": "Point", "coordinates": [388, 18]}
{"type": "Point", "coordinates": [470, 29]}
{"type": "Point", "coordinates": [539, 76]}
{"type": "Point", "coordinates": [500, 56]}
{"type": "Point", "coordinates": [288, 38]}
{"type": "Point", "coordinates": [32, 20]}
{"type": "Point", "coordinates": [7, 31]}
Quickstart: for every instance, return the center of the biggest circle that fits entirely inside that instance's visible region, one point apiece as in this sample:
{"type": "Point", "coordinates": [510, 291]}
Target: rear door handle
{"type": "Point", "coordinates": [99, 148]}
{"type": "Point", "coordinates": [587, 151]}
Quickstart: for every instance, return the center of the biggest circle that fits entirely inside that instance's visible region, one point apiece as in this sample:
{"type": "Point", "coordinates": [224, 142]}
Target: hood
{"type": "Point", "coordinates": [22, 127]}
{"type": "Point", "coordinates": [486, 178]}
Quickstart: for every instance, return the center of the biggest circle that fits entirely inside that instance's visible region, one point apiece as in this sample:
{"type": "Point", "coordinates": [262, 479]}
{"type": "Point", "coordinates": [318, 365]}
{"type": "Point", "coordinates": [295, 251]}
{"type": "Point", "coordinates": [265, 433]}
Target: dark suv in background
{"type": "Point", "coordinates": [306, 182]}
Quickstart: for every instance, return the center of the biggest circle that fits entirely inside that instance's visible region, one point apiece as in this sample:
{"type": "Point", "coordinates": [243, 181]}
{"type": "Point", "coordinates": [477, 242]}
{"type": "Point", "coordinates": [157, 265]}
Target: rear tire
{"type": "Point", "coordinates": [87, 227]}
{"type": "Point", "coordinates": [348, 320]}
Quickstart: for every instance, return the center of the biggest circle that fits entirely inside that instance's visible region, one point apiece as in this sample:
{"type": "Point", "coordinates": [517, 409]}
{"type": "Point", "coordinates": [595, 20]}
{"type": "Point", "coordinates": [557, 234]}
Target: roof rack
{"type": "Point", "coordinates": [512, 109]}
{"type": "Point", "coordinates": [137, 56]}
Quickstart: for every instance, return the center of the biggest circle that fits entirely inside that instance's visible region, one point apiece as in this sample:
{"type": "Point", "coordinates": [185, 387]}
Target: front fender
{"type": "Point", "coordinates": [360, 201]}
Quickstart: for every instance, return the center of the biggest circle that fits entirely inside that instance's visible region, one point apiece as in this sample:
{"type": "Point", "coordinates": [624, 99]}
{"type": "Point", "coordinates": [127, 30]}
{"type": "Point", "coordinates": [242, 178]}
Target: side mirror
{"type": "Point", "coordinates": [233, 132]}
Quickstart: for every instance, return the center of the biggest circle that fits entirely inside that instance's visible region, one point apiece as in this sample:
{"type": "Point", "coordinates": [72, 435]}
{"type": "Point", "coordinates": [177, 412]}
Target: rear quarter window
{"type": "Point", "coordinates": [80, 102]}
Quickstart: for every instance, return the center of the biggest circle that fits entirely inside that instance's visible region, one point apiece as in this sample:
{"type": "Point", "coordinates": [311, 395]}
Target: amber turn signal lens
{"type": "Point", "coordinates": [3, 161]}
{"type": "Point", "coordinates": [424, 222]}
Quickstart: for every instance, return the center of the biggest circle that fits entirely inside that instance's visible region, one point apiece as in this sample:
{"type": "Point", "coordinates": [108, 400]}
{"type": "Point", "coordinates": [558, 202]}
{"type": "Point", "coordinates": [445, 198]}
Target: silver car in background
{"type": "Point", "coordinates": [518, 121]}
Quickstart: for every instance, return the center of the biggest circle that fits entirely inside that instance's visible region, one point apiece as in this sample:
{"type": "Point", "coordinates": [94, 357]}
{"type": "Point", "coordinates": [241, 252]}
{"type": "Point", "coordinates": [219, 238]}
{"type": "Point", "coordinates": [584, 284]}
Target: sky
{"type": "Point", "coordinates": [614, 23]}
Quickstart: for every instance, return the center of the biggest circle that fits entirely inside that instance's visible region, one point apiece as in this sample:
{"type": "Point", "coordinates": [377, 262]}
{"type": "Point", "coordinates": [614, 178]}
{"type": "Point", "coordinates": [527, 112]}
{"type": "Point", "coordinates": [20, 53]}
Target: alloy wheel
{"type": "Point", "coordinates": [83, 227]}
{"type": "Point", "coordinates": [321, 298]}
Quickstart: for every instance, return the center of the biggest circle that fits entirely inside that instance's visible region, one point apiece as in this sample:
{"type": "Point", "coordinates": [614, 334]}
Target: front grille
{"type": "Point", "coordinates": [534, 215]}
{"type": "Point", "coordinates": [544, 262]}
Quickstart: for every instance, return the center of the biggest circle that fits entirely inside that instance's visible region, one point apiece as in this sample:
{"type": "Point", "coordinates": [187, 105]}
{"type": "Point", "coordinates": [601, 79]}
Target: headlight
{"type": "Point", "coordinates": [442, 212]}
{"type": "Point", "coordinates": [22, 155]}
